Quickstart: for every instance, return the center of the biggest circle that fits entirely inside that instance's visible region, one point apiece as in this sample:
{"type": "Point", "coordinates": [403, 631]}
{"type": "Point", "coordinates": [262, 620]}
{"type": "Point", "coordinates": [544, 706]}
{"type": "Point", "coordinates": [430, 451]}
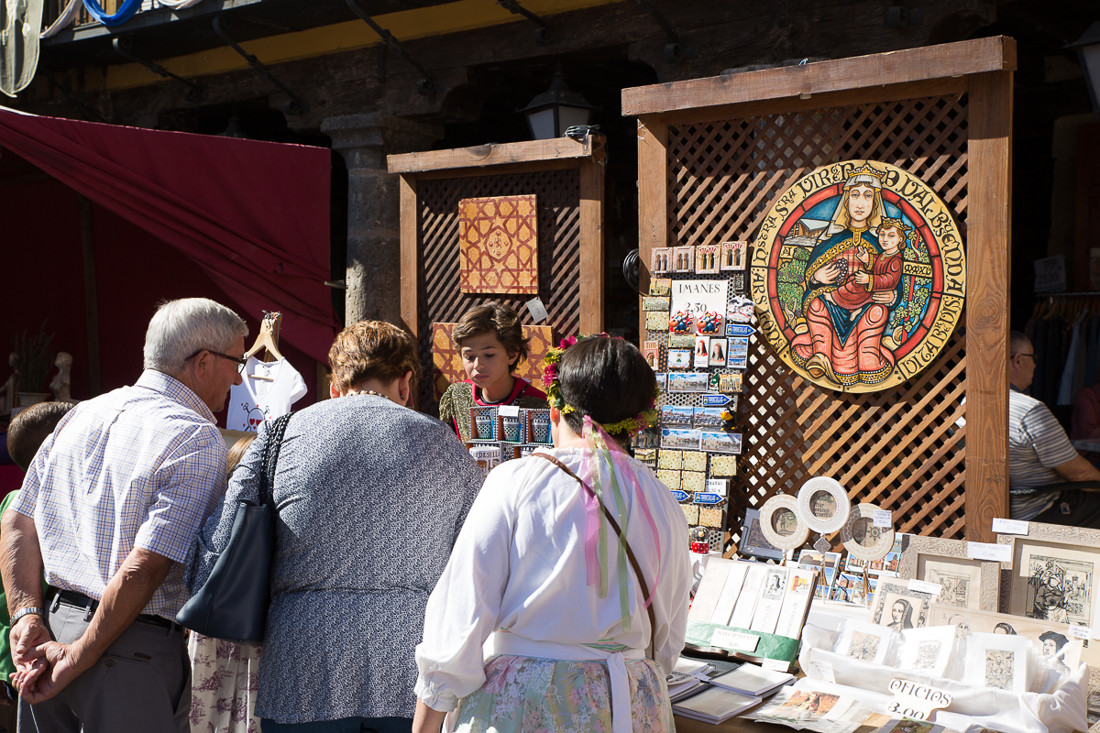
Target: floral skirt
{"type": "Point", "coordinates": [531, 694]}
{"type": "Point", "coordinates": [223, 685]}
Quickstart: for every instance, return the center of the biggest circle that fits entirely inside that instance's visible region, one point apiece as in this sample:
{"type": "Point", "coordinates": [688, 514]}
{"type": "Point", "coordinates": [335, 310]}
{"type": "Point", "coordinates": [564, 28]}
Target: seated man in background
{"type": "Point", "coordinates": [1042, 463]}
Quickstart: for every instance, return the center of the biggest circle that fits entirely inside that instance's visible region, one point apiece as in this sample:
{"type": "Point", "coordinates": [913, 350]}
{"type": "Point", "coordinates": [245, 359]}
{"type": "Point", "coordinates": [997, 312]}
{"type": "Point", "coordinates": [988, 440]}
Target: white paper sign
{"type": "Point", "coordinates": [914, 700]}
{"type": "Point", "coordinates": [699, 296]}
{"type": "Point", "coordinates": [1009, 526]}
{"type": "Point", "coordinates": [537, 310]}
{"type": "Point", "coordinates": [925, 586]}
{"type": "Point", "coordinates": [1080, 632]}
{"type": "Point", "coordinates": [989, 551]}
{"type": "Point", "coordinates": [717, 486]}
{"type": "Point", "coordinates": [508, 410]}
{"type": "Point", "coordinates": [736, 640]}
{"type": "Point", "coordinates": [883, 518]}
{"type": "Point", "coordinates": [775, 665]}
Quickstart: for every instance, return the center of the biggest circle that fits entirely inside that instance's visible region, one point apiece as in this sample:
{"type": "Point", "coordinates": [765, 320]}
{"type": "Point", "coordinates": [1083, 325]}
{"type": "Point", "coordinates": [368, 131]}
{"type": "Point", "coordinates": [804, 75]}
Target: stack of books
{"type": "Point", "coordinates": [727, 694]}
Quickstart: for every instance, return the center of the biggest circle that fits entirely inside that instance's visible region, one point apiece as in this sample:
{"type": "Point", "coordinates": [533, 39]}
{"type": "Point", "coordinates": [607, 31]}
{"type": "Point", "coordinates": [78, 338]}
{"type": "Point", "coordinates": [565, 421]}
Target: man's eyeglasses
{"type": "Point", "coordinates": [240, 362]}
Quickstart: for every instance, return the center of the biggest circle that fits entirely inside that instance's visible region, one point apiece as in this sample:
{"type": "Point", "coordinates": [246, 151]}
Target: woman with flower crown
{"type": "Point", "coordinates": [839, 335]}
{"type": "Point", "coordinates": [573, 564]}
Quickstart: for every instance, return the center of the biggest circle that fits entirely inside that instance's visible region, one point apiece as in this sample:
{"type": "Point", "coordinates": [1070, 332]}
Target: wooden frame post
{"type": "Point", "coordinates": [652, 197]}
{"type": "Point", "coordinates": [988, 246]}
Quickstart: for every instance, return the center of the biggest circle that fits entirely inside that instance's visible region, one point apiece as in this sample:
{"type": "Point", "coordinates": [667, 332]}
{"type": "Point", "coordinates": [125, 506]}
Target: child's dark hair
{"type": "Point", "coordinates": [498, 319]}
{"type": "Point", "coordinates": [30, 428]}
{"type": "Point", "coordinates": [605, 378]}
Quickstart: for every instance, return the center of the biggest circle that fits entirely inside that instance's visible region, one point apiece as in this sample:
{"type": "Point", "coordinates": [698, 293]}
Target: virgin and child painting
{"type": "Point", "coordinates": [858, 271]}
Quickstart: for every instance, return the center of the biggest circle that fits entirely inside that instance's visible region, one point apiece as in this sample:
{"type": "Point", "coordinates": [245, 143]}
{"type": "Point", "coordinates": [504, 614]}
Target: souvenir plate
{"type": "Point", "coordinates": [781, 524]}
{"type": "Point", "coordinates": [861, 538]}
{"type": "Point", "coordinates": [823, 504]}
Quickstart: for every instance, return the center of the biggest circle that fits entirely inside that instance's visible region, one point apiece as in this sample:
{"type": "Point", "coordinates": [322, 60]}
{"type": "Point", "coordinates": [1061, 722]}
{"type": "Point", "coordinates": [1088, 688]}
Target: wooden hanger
{"type": "Point", "coordinates": [267, 339]}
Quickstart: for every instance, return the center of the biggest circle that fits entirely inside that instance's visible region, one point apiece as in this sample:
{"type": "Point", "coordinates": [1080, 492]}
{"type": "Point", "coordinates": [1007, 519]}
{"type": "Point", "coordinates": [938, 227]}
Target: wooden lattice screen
{"type": "Point", "coordinates": [713, 157]}
{"type": "Point", "coordinates": [566, 178]}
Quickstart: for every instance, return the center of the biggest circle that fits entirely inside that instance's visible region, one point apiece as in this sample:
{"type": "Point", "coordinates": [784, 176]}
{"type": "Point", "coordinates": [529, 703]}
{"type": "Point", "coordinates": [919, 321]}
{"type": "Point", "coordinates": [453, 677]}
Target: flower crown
{"type": "Point", "coordinates": [632, 425]}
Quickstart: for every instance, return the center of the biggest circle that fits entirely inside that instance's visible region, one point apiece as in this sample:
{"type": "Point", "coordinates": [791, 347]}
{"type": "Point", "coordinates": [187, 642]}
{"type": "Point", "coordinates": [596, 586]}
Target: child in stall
{"type": "Point", "coordinates": [491, 344]}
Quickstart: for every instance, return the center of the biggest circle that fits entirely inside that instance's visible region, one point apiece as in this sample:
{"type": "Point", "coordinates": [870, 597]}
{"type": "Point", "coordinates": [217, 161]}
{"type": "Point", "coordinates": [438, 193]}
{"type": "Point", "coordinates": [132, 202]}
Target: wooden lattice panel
{"type": "Point", "coordinates": [447, 361]}
{"type": "Point", "coordinates": [900, 448]}
{"type": "Point", "coordinates": [498, 245]}
{"type": "Point", "coordinates": [441, 299]}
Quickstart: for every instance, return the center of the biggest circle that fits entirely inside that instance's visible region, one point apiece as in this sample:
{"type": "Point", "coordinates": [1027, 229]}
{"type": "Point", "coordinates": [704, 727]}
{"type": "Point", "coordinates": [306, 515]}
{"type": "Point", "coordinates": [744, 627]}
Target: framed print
{"type": "Point", "coordinates": [706, 259]}
{"type": "Point", "coordinates": [964, 582]}
{"type": "Point", "coordinates": [927, 650]}
{"type": "Point", "coordinates": [781, 523]}
{"type": "Point", "coordinates": [899, 607]}
{"type": "Point", "coordinates": [683, 259]}
{"type": "Point", "coordinates": [1055, 574]}
{"type": "Point", "coordinates": [753, 541]}
{"type": "Point", "coordinates": [823, 504]}
{"type": "Point", "coordinates": [996, 660]}
{"type": "Point", "coordinates": [861, 538]}
{"type": "Point", "coordinates": [865, 642]}
{"type": "Point", "coordinates": [660, 260]}
{"type": "Point", "coordinates": [1047, 638]}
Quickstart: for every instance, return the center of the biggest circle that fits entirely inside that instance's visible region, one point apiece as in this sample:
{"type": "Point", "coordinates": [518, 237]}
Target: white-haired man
{"type": "Point", "coordinates": [109, 510]}
{"type": "Point", "coordinates": [1042, 463]}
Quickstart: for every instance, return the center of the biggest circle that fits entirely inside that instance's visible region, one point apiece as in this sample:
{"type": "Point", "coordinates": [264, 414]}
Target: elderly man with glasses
{"type": "Point", "coordinates": [1048, 480]}
{"type": "Point", "coordinates": [109, 511]}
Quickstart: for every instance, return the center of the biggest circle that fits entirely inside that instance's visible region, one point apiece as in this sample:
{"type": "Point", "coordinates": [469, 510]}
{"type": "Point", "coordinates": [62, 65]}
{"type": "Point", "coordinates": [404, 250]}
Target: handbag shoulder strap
{"type": "Point", "coordinates": [271, 456]}
{"type": "Point", "coordinates": [626, 545]}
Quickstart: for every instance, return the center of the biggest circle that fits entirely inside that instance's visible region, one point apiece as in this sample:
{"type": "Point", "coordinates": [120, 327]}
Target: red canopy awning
{"type": "Point", "coordinates": [254, 215]}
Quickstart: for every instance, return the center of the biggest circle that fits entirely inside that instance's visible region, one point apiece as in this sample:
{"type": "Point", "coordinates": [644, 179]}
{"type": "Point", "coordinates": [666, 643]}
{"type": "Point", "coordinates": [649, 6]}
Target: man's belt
{"type": "Point", "coordinates": [79, 600]}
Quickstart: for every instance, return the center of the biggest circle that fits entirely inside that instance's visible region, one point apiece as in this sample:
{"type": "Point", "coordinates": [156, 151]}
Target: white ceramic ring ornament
{"type": "Point", "coordinates": [781, 524]}
{"type": "Point", "coordinates": [823, 504]}
{"type": "Point", "coordinates": [862, 539]}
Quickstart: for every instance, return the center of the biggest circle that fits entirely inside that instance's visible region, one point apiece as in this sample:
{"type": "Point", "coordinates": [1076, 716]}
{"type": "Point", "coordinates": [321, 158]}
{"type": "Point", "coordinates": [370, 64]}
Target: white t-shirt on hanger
{"type": "Point", "coordinates": [267, 391]}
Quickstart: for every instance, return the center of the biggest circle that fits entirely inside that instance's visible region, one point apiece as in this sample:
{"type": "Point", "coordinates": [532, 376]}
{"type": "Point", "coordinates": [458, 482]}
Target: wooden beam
{"type": "Point", "coordinates": [592, 265]}
{"type": "Point", "coordinates": [484, 156]}
{"type": "Point", "coordinates": [989, 223]}
{"type": "Point", "coordinates": [410, 254]}
{"type": "Point", "coordinates": [652, 198]}
{"type": "Point", "coordinates": [976, 56]}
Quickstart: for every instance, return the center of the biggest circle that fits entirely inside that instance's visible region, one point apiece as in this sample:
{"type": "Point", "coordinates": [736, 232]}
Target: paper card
{"type": "Point", "coordinates": [924, 586]}
{"type": "Point", "coordinates": [1080, 632]}
{"type": "Point", "coordinates": [883, 518]}
{"type": "Point", "coordinates": [734, 640]}
{"type": "Point", "coordinates": [928, 650]}
{"type": "Point", "coordinates": [1009, 526]}
{"type": "Point", "coordinates": [508, 410]}
{"type": "Point", "coordinates": [775, 665]}
{"type": "Point", "coordinates": [746, 602]}
{"type": "Point", "coordinates": [796, 598]}
{"type": "Point", "coordinates": [727, 598]}
{"type": "Point", "coordinates": [537, 309]}
{"type": "Point", "coordinates": [770, 602]}
{"type": "Point", "coordinates": [697, 297]}
{"type": "Point", "coordinates": [865, 641]}
{"type": "Point", "coordinates": [912, 696]}
{"type": "Point", "coordinates": [710, 590]}
{"type": "Point", "coordinates": [989, 551]}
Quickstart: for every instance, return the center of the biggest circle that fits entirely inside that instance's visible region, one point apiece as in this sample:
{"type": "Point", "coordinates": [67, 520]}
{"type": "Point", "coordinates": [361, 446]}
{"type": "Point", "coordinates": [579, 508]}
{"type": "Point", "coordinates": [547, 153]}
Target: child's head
{"type": "Point", "coordinates": [30, 428]}
{"type": "Point", "coordinates": [892, 235]}
{"type": "Point", "coordinates": [237, 451]}
{"type": "Point", "coordinates": [491, 343]}
{"type": "Point", "coordinates": [607, 379]}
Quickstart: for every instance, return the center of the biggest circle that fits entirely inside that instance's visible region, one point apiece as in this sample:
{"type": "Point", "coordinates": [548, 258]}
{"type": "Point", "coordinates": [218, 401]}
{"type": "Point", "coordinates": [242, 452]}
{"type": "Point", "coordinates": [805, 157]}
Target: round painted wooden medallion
{"type": "Point", "coordinates": [859, 275]}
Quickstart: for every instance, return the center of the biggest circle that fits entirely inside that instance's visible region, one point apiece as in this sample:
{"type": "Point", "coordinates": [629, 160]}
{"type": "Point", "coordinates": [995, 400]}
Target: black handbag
{"type": "Point", "coordinates": [232, 603]}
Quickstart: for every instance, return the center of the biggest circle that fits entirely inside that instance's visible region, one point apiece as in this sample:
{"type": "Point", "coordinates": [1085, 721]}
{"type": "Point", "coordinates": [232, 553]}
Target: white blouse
{"type": "Point", "coordinates": [518, 567]}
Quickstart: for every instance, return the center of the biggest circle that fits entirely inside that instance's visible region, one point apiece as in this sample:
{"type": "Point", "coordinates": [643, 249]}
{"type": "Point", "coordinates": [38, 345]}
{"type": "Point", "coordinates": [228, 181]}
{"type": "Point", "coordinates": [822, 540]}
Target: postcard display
{"type": "Point", "coordinates": [698, 325]}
